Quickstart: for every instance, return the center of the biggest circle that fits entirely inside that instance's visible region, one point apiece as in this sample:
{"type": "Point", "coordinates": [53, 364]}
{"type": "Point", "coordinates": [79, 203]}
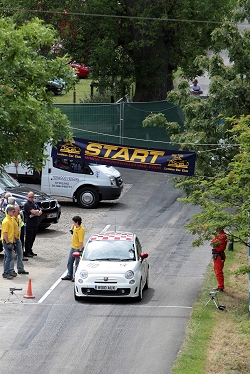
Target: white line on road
{"type": "Point", "coordinates": [51, 288]}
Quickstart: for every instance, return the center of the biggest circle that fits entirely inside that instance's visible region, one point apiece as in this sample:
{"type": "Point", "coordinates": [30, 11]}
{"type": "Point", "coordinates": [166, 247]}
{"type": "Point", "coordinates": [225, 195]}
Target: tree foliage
{"type": "Point", "coordinates": [217, 128]}
{"type": "Point", "coordinates": [28, 118]}
{"type": "Point", "coordinates": [132, 40]}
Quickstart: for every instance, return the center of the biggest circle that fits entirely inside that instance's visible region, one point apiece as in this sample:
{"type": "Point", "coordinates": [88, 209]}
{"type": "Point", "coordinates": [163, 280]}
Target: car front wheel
{"type": "Point", "coordinates": [77, 298]}
{"type": "Point", "coordinates": [139, 297]}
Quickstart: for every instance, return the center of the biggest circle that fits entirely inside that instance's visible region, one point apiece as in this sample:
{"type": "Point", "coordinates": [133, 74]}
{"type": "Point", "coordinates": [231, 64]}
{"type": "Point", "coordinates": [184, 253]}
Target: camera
{"type": "Point", "coordinates": [213, 293]}
{"type": "Point", "coordinates": [12, 289]}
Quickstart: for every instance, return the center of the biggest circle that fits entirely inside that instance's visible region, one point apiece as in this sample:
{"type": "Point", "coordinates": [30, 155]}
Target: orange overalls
{"type": "Point", "coordinates": [219, 244]}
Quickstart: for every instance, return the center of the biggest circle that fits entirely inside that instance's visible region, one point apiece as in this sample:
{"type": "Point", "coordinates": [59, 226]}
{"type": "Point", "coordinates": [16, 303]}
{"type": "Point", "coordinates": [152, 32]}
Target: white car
{"type": "Point", "coordinates": [112, 265]}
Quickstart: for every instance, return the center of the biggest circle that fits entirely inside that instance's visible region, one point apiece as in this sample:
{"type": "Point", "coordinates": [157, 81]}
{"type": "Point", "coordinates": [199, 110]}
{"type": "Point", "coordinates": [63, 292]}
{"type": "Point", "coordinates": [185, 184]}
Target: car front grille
{"type": "Point", "coordinates": [47, 205]}
{"type": "Point", "coordinates": [92, 292]}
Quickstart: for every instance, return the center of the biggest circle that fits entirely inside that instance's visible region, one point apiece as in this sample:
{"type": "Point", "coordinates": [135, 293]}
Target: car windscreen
{"type": "Point", "coordinates": [109, 250]}
{"type": "Point", "coordinates": [7, 181]}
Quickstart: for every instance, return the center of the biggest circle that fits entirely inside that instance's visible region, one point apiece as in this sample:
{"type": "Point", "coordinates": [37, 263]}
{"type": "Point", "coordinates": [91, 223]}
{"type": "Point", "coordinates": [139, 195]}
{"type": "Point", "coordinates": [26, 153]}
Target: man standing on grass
{"type": "Point", "coordinates": [219, 244]}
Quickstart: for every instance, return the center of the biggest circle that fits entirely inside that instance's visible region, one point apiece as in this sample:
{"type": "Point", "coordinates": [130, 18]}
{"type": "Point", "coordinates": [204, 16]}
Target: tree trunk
{"type": "Point", "coordinates": [154, 78]}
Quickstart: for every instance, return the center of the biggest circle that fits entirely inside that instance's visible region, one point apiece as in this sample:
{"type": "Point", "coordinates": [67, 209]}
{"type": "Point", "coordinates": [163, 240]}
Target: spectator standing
{"type": "Point", "coordinates": [18, 223]}
{"type": "Point", "coordinates": [196, 88]}
{"type": "Point", "coordinates": [7, 237]}
{"type": "Point", "coordinates": [12, 201]}
{"type": "Point", "coordinates": [219, 244]}
{"type": "Point", "coordinates": [4, 201]}
{"type": "Point", "coordinates": [77, 244]}
{"type": "Point", "coordinates": [32, 212]}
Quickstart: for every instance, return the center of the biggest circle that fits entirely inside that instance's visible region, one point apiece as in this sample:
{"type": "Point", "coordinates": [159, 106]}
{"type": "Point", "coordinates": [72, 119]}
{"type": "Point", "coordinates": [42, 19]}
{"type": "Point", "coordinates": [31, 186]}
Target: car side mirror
{"type": "Point", "coordinates": [143, 255]}
{"type": "Point", "coordinates": [76, 254]}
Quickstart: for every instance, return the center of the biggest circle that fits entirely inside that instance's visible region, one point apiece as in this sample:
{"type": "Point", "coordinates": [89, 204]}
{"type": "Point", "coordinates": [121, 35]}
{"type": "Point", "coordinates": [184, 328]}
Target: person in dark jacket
{"type": "Point", "coordinates": [32, 212]}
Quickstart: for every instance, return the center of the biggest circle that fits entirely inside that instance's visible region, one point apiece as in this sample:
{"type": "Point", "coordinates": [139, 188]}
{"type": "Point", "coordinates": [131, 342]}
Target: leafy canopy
{"type": "Point", "coordinates": [28, 118]}
{"type": "Point", "coordinates": [128, 41]}
{"type": "Point", "coordinates": [217, 128]}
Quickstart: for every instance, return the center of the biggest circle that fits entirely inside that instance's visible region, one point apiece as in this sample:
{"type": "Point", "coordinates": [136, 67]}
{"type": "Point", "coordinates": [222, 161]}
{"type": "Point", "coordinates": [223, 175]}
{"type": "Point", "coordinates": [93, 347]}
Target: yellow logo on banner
{"type": "Point", "coordinates": [123, 153]}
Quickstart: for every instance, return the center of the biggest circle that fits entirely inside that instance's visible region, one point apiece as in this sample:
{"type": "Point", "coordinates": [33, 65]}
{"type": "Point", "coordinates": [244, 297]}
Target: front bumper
{"type": "Point", "coordinates": [122, 290]}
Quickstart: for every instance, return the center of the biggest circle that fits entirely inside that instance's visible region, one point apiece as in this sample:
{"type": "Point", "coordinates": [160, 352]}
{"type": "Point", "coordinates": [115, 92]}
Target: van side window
{"type": "Point", "coordinates": [72, 166]}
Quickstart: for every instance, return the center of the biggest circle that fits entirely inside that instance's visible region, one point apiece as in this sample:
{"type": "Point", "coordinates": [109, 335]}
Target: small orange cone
{"type": "Point", "coordinates": [29, 291]}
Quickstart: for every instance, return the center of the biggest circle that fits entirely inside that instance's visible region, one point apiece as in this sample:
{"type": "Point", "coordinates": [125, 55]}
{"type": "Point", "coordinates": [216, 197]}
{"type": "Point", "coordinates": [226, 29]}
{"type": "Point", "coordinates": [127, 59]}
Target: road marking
{"type": "Point", "coordinates": [105, 229]}
{"type": "Point", "coordinates": [52, 288]}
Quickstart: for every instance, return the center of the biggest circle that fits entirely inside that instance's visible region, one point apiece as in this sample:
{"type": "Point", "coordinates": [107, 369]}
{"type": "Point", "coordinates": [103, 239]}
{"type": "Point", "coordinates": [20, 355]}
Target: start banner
{"type": "Point", "coordinates": [126, 156]}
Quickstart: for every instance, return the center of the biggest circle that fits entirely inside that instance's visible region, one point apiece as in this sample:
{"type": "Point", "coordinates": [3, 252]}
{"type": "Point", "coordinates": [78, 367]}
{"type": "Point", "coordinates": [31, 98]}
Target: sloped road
{"type": "Point", "coordinates": [56, 334]}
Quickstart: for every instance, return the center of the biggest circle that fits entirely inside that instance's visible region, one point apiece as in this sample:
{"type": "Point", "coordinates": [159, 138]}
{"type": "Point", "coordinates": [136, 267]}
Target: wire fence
{"type": "Point", "coordinates": [122, 122]}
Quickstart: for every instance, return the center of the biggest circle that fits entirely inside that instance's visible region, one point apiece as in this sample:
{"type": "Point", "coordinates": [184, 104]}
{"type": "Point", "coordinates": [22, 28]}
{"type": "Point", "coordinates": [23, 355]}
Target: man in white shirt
{"type": "Point", "coordinates": [196, 88]}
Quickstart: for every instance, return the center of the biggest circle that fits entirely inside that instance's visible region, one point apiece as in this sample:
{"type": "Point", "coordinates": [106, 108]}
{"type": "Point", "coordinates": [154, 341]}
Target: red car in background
{"type": "Point", "coordinates": [82, 71]}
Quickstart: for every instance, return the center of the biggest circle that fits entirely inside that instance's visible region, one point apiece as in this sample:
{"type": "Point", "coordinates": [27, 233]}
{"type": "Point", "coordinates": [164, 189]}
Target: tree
{"type": "Point", "coordinates": [131, 40]}
{"type": "Point", "coordinates": [224, 201]}
{"type": "Point", "coordinates": [28, 117]}
{"type": "Point", "coordinates": [217, 128]}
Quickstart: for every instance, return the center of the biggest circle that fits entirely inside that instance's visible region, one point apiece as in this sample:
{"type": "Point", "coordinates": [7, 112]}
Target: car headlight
{"type": "Point", "coordinates": [84, 274]}
{"type": "Point", "coordinates": [112, 180]}
{"type": "Point", "coordinates": [129, 274]}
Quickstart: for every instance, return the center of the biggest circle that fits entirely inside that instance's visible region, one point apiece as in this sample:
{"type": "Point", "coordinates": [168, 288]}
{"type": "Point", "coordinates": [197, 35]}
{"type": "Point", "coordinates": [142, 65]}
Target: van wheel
{"type": "Point", "coordinates": [87, 198]}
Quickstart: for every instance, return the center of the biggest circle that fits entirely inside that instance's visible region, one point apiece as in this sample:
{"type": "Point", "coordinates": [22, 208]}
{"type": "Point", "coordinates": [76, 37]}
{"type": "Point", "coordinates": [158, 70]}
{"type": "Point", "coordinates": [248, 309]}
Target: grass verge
{"type": "Point", "coordinates": [82, 89]}
{"type": "Point", "coordinates": [217, 342]}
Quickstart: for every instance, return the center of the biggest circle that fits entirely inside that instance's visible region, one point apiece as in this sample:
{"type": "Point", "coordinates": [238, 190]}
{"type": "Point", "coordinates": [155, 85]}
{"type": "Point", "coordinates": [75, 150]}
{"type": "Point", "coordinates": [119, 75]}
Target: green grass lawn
{"type": "Point", "coordinates": [217, 342]}
{"type": "Point", "coordinates": [74, 96]}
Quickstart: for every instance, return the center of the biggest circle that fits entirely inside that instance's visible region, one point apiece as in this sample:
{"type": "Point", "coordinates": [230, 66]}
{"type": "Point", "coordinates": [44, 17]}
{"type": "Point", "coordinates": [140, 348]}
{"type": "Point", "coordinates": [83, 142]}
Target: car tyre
{"type": "Point", "coordinates": [147, 282]}
{"type": "Point", "coordinates": [139, 297]}
{"type": "Point", "coordinates": [87, 198]}
{"type": "Point", "coordinates": [77, 298]}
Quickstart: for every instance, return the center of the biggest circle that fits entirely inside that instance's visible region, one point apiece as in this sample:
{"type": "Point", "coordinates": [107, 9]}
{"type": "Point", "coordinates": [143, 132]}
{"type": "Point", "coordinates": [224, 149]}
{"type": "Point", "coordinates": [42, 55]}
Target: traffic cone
{"type": "Point", "coordinates": [29, 291]}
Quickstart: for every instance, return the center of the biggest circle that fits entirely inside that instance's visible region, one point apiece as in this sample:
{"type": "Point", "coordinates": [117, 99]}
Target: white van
{"type": "Point", "coordinates": [88, 184]}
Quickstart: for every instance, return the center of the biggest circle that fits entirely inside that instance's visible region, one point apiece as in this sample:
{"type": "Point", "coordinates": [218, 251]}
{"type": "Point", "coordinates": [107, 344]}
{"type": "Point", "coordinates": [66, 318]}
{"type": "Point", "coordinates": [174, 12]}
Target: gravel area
{"type": "Point", "coordinates": [52, 247]}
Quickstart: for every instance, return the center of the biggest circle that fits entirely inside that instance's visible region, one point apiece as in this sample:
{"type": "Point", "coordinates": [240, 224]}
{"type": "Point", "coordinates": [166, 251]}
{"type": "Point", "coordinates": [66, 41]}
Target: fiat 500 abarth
{"type": "Point", "coordinates": [112, 265]}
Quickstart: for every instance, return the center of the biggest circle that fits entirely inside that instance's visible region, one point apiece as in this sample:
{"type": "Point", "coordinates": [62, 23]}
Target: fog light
{"type": "Point", "coordinates": [80, 281]}
{"type": "Point", "coordinates": [132, 281]}
{"type": "Point", "coordinates": [122, 291]}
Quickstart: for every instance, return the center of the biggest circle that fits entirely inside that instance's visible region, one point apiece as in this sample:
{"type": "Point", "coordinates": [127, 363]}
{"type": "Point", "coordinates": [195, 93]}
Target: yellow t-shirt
{"type": "Point", "coordinates": [18, 223]}
{"type": "Point", "coordinates": [8, 226]}
{"type": "Point", "coordinates": [78, 237]}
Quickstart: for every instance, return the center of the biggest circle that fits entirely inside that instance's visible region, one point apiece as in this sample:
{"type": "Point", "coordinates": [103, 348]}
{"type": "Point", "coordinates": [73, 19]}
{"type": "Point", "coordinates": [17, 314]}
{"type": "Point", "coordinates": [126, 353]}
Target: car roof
{"type": "Point", "coordinates": [113, 235]}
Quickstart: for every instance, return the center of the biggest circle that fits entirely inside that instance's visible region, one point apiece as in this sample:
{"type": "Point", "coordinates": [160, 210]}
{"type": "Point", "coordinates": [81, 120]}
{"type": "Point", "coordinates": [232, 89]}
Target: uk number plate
{"type": "Point", "coordinates": [105, 287]}
{"type": "Point", "coordinates": [51, 215]}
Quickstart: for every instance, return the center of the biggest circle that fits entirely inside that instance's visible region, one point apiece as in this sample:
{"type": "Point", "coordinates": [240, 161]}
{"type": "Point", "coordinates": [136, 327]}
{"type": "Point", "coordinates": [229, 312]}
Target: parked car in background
{"type": "Point", "coordinates": [112, 265]}
{"type": "Point", "coordinates": [82, 71]}
{"type": "Point", "coordinates": [50, 207]}
{"type": "Point", "coordinates": [56, 86]}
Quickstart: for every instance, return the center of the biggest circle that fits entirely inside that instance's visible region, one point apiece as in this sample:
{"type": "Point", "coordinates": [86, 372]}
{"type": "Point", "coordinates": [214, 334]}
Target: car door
{"type": "Point", "coordinates": [143, 262]}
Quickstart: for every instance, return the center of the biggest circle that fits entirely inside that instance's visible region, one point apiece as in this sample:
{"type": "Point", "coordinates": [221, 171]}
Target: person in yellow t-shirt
{"type": "Point", "coordinates": [7, 237]}
{"type": "Point", "coordinates": [77, 244]}
{"type": "Point", "coordinates": [18, 224]}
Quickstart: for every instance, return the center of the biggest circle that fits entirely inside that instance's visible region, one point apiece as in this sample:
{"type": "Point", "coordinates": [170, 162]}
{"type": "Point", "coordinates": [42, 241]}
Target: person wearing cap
{"type": "Point", "coordinates": [7, 237]}
{"type": "Point", "coordinates": [196, 88]}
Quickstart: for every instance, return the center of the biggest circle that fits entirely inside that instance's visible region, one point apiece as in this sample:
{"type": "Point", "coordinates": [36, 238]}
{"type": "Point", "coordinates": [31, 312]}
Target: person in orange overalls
{"type": "Point", "coordinates": [219, 244]}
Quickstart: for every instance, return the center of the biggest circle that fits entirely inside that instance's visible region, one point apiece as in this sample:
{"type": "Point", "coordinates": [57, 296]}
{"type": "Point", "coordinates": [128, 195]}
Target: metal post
{"type": "Point", "coordinates": [121, 121]}
{"type": "Point", "coordinates": [249, 277]}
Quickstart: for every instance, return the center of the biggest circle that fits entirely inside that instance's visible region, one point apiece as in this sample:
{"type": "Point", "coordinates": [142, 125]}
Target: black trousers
{"type": "Point", "coordinates": [30, 237]}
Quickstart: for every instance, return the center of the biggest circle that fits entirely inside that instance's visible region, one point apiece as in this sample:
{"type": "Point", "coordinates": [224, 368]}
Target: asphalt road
{"type": "Point", "coordinates": [55, 334]}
